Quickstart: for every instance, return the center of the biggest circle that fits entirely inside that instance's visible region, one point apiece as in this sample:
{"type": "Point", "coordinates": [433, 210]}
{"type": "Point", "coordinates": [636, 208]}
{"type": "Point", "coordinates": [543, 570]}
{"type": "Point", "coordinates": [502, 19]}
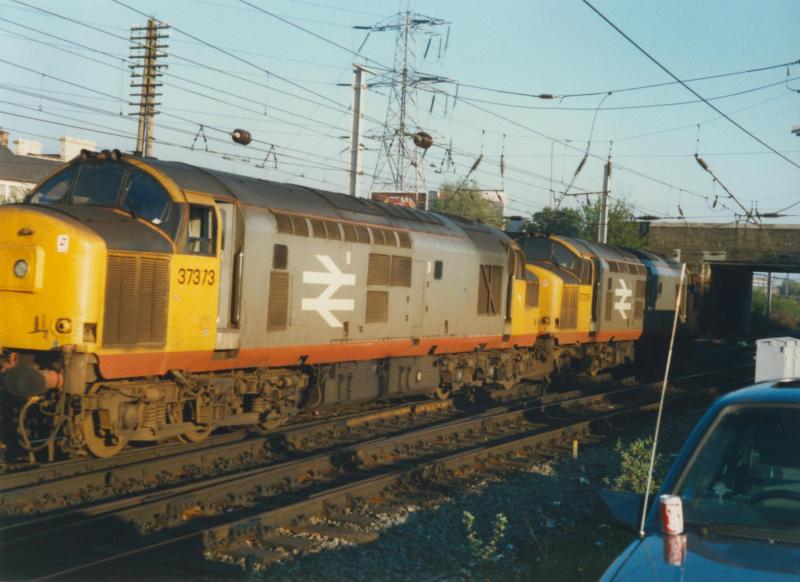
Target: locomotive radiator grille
{"type": "Point", "coordinates": [278, 306]}
{"type": "Point", "coordinates": [377, 307]}
{"type": "Point", "coordinates": [569, 308]}
{"type": "Point", "coordinates": [137, 290]}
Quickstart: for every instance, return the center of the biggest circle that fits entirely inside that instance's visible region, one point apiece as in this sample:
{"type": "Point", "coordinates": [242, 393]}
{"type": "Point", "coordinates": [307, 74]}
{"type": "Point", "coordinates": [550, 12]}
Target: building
{"type": "Point", "coordinates": [25, 166]}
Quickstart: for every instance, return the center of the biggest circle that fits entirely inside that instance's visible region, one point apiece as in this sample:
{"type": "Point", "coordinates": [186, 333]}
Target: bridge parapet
{"type": "Point", "coordinates": [722, 259]}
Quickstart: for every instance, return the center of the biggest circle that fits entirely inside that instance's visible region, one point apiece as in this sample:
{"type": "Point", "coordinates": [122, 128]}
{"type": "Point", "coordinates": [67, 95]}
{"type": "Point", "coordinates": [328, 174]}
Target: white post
{"type": "Point", "coordinates": [678, 299]}
{"type": "Point", "coordinates": [355, 136]}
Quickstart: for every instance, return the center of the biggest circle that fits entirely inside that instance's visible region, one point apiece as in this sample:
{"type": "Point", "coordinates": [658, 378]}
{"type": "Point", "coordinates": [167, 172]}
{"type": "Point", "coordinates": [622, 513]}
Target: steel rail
{"type": "Point", "coordinates": [224, 497]}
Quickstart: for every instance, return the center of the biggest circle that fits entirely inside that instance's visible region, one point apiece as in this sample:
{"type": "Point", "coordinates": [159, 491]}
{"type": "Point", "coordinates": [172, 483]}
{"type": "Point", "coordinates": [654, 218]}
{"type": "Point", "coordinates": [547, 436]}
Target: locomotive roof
{"type": "Point", "coordinates": [616, 253]}
{"type": "Point", "coordinates": [312, 201]}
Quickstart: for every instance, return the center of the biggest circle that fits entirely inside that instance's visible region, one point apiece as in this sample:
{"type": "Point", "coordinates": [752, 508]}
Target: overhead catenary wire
{"type": "Point", "coordinates": [170, 75]}
{"type": "Point", "coordinates": [627, 107]}
{"type": "Point", "coordinates": [625, 89]}
{"type": "Point", "coordinates": [688, 88]}
{"type": "Point", "coordinates": [480, 171]}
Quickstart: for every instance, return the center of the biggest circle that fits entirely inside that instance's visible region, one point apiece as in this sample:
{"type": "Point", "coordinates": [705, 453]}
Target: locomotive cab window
{"type": "Point", "coordinates": [55, 189]}
{"type": "Point", "coordinates": [201, 232]}
{"type": "Point", "coordinates": [97, 184]}
{"type": "Point", "coordinates": [438, 269]}
{"type": "Point", "coordinates": [144, 197]}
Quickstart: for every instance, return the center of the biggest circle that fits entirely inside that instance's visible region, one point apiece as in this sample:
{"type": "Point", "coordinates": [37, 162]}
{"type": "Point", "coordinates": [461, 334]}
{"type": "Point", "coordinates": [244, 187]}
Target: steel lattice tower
{"type": "Point", "coordinates": [397, 151]}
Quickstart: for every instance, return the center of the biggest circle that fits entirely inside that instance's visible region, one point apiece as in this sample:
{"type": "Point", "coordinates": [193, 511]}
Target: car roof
{"type": "Point", "coordinates": [786, 391]}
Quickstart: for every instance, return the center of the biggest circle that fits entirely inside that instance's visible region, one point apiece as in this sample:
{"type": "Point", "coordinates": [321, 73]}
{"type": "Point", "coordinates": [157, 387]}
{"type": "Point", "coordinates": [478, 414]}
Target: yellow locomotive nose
{"type": "Point", "coordinates": [51, 269]}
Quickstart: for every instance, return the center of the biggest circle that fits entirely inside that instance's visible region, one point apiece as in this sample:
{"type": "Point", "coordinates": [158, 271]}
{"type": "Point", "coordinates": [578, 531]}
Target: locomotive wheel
{"type": "Point", "coordinates": [98, 444]}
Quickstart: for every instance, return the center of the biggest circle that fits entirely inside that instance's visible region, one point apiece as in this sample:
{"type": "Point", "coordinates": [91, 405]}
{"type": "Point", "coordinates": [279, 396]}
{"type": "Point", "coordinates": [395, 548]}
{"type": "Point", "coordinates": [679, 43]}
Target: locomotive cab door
{"type": "Point", "coordinates": [231, 271]}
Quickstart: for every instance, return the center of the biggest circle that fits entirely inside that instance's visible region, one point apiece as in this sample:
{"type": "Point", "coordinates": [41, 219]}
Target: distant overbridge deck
{"type": "Point", "coordinates": [724, 257]}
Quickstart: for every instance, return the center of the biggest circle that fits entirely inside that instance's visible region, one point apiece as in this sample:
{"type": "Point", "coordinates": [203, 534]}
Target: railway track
{"type": "Point", "coordinates": [82, 481]}
{"type": "Point", "coordinates": [239, 516]}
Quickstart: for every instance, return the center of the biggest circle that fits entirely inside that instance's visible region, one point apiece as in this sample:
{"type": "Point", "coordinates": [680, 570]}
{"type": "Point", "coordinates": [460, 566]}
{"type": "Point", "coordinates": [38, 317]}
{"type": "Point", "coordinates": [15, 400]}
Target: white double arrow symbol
{"type": "Point", "coordinates": [624, 294]}
{"type": "Point", "coordinates": [334, 279]}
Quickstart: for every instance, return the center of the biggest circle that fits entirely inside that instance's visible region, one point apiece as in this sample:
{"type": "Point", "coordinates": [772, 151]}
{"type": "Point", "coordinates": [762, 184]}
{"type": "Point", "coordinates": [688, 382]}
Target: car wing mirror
{"type": "Point", "coordinates": [621, 508]}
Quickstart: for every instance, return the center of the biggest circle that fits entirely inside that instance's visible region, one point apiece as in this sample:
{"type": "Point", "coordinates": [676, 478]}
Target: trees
{"type": "Point", "coordinates": [581, 222]}
{"type": "Point", "coordinates": [468, 202]}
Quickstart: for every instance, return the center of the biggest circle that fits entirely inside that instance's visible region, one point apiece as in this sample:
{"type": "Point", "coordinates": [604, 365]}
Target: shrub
{"type": "Point", "coordinates": [634, 463]}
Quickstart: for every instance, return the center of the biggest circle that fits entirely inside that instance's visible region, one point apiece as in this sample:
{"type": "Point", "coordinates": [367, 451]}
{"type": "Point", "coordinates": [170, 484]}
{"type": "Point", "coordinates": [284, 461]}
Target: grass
{"type": "Point", "coordinates": [582, 557]}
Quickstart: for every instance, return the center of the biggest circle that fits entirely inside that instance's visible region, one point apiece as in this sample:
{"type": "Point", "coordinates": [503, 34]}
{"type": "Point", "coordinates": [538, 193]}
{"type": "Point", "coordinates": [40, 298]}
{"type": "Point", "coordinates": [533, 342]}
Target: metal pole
{"type": "Point", "coordinates": [602, 227]}
{"type": "Point", "coordinates": [355, 135]}
{"type": "Point", "coordinates": [769, 295]}
{"type": "Point", "coordinates": [678, 299]}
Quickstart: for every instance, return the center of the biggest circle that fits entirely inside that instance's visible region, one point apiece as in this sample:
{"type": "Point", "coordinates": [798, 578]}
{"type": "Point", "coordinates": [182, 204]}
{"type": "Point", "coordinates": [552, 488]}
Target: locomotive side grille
{"type": "Point", "coordinates": [609, 304]}
{"type": "Point", "coordinates": [401, 272]}
{"type": "Point", "coordinates": [640, 289]}
{"type": "Point", "coordinates": [284, 224]}
{"type": "Point", "coordinates": [377, 236]}
{"type": "Point", "coordinates": [489, 289]}
{"type": "Point", "coordinates": [388, 236]}
{"type": "Point", "coordinates": [378, 272]}
{"type": "Point", "coordinates": [332, 230]}
{"type": "Point", "coordinates": [362, 233]}
{"type": "Point", "coordinates": [278, 304]}
{"type": "Point", "coordinates": [349, 233]}
{"type": "Point", "coordinates": [137, 290]}
{"type": "Point", "coordinates": [318, 228]}
{"type": "Point", "coordinates": [299, 225]}
{"type": "Point", "coordinates": [377, 307]}
{"type": "Point", "coordinates": [569, 308]}
{"type": "Point", "coordinates": [532, 294]}
{"type": "Point", "coordinates": [152, 301]}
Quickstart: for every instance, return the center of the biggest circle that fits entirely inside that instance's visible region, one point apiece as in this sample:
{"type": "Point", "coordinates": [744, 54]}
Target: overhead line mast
{"type": "Point", "coordinates": [402, 82]}
{"type": "Point", "coordinates": [145, 51]}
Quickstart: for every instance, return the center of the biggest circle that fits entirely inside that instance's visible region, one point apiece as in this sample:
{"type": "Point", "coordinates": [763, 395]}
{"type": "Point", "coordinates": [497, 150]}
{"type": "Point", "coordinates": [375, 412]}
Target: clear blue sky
{"type": "Point", "coordinates": [559, 47]}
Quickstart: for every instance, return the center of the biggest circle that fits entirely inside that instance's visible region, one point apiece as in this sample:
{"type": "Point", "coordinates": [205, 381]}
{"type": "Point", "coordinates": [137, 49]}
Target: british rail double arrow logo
{"type": "Point", "coordinates": [624, 295]}
{"type": "Point", "coordinates": [334, 279]}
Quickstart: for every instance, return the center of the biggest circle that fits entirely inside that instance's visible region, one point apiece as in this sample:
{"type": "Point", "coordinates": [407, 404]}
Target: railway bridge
{"type": "Point", "coordinates": [724, 258]}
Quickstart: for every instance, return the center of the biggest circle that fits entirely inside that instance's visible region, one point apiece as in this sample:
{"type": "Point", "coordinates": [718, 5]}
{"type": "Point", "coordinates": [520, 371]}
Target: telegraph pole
{"type": "Point", "coordinates": [359, 88]}
{"type": "Point", "coordinates": [146, 50]}
{"type": "Point", "coordinates": [602, 227]}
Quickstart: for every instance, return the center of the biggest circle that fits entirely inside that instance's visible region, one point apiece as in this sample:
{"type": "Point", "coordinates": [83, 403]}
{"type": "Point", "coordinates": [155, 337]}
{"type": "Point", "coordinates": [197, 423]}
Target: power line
{"type": "Point", "coordinates": [627, 89]}
{"type": "Point", "coordinates": [688, 88]}
{"type": "Point", "coordinates": [171, 75]}
{"type": "Point", "coordinates": [622, 107]}
{"type": "Point", "coordinates": [240, 59]}
{"type": "Point", "coordinates": [312, 33]}
{"type": "Point", "coordinates": [98, 110]}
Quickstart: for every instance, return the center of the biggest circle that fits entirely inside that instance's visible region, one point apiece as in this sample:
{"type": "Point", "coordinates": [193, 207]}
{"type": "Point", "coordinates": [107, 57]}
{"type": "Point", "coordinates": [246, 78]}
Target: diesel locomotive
{"type": "Point", "coordinates": [142, 300]}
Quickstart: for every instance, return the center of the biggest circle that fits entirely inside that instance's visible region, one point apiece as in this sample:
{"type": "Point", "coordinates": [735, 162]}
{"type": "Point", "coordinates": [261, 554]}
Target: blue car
{"type": "Point", "coordinates": [733, 492]}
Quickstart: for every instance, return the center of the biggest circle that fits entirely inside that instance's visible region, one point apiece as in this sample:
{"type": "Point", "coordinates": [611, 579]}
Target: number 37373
{"type": "Point", "coordinates": [196, 276]}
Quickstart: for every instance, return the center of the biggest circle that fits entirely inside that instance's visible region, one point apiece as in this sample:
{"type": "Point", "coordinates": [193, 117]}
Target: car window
{"type": "Point", "coordinates": [747, 471]}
